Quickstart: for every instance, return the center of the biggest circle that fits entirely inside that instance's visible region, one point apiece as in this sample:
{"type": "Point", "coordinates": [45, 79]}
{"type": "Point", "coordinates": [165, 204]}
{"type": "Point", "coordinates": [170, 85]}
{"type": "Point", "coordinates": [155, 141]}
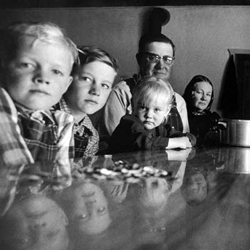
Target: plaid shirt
{"type": "Point", "coordinates": [15, 147]}
{"type": "Point", "coordinates": [84, 129]}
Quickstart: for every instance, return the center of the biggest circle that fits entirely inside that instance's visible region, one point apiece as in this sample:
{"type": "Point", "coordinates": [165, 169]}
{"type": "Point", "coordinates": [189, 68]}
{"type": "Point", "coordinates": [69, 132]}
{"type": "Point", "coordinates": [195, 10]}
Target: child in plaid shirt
{"type": "Point", "coordinates": [36, 65]}
{"type": "Point", "coordinates": [93, 78]}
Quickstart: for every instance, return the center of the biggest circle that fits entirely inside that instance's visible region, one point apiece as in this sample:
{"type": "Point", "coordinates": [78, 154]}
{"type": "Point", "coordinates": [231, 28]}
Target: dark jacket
{"type": "Point", "coordinates": [205, 127]}
{"type": "Point", "coordinates": [130, 135]}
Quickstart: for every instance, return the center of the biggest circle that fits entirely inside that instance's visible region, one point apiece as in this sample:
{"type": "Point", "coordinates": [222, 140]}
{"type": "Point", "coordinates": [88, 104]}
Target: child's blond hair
{"type": "Point", "coordinates": [45, 31]}
{"type": "Point", "coordinates": [149, 88]}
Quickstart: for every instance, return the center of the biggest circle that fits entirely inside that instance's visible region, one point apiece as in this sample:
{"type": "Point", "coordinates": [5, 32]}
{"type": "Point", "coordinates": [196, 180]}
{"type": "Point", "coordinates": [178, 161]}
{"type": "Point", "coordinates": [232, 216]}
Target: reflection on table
{"type": "Point", "coordinates": [127, 201]}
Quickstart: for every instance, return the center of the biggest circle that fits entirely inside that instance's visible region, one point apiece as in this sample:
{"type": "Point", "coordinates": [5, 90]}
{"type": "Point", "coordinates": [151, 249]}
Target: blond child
{"type": "Point", "coordinates": [147, 127]}
{"type": "Point", "coordinates": [34, 221]}
{"type": "Point", "coordinates": [36, 65]}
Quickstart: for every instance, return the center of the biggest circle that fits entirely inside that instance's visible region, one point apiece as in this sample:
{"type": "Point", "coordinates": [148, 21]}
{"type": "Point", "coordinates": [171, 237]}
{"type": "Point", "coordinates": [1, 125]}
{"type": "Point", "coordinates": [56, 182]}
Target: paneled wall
{"type": "Point", "coordinates": [202, 35]}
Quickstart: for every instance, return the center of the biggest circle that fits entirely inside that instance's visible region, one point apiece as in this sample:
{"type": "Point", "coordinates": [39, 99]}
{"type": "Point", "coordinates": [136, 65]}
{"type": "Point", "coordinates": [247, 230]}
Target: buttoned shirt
{"type": "Point", "coordinates": [48, 137]}
{"type": "Point", "coordinates": [84, 131]}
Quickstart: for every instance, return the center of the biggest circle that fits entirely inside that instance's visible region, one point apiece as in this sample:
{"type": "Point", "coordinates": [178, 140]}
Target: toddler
{"type": "Point", "coordinates": [36, 65]}
{"type": "Point", "coordinates": [147, 127]}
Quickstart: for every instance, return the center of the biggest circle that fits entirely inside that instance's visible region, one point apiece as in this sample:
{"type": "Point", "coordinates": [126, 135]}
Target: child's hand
{"type": "Point", "coordinates": [179, 142]}
{"type": "Point", "coordinates": [185, 142]}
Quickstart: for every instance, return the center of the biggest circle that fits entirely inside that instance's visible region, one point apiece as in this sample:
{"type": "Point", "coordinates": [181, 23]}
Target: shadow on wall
{"type": "Point", "coordinates": [154, 19]}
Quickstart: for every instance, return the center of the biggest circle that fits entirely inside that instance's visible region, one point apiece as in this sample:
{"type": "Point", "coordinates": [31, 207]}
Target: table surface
{"type": "Point", "coordinates": [175, 199]}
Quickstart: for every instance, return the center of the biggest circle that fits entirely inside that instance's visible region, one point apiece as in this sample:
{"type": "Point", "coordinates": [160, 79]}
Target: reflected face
{"type": "Point", "coordinates": [155, 193]}
{"type": "Point", "coordinates": [201, 95]}
{"type": "Point", "coordinates": [194, 188]}
{"type": "Point", "coordinates": [90, 89]}
{"type": "Point", "coordinates": [39, 73]}
{"type": "Point", "coordinates": [90, 209]}
{"type": "Point", "coordinates": [36, 223]}
{"type": "Point", "coordinates": [153, 113]}
{"type": "Point", "coordinates": [159, 69]}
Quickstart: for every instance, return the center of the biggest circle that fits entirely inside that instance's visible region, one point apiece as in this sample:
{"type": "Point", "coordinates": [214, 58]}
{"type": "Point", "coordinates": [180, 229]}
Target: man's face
{"type": "Point", "coordinates": [159, 68]}
{"type": "Point", "coordinates": [154, 193]}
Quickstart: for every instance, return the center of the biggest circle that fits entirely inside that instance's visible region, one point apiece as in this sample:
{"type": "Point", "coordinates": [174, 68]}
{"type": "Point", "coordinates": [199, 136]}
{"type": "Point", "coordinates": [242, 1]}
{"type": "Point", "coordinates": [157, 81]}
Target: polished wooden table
{"type": "Point", "coordinates": [202, 203]}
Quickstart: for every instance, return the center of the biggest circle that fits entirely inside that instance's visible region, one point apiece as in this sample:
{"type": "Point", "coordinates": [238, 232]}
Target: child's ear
{"type": "Point", "coordinates": [166, 115]}
{"type": "Point", "coordinates": [69, 82]}
{"type": "Point", "coordinates": [168, 110]}
{"type": "Point", "coordinates": [63, 217]}
{"type": "Point", "coordinates": [138, 58]}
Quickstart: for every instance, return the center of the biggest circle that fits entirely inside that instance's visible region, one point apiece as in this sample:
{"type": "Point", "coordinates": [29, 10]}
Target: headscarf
{"type": "Point", "coordinates": [190, 87]}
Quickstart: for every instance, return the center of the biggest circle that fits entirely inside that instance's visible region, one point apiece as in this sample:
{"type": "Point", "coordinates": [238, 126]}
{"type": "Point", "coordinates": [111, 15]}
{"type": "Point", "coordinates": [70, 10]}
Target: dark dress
{"type": "Point", "coordinates": [205, 127]}
{"type": "Point", "coordinates": [130, 135]}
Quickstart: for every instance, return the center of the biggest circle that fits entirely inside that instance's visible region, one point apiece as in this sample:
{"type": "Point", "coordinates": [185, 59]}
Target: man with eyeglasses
{"type": "Point", "coordinates": [155, 57]}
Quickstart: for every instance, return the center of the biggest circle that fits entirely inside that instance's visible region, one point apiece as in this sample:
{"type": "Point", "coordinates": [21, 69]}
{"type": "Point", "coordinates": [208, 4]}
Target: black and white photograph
{"type": "Point", "coordinates": [124, 125]}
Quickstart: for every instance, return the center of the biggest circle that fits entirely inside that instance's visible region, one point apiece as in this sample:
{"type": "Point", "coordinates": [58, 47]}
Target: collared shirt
{"type": "Point", "coordinates": [23, 145]}
{"type": "Point", "coordinates": [83, 131]}
{"type": "Point", "coordinates": [13, 149]}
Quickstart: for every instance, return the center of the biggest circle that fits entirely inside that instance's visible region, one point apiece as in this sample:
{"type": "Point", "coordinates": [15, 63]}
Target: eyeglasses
{"type": "Point", "coordinates": [154, 58]}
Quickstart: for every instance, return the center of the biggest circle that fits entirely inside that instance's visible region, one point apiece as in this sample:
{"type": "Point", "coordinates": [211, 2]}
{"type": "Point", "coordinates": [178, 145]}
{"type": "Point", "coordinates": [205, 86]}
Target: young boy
{"type": "Point", "coordinates": [36, 65]}
{"type": "Point", "coordinates": [93, 78]}
{"type": "Point", "coordinates": [34, 222]}
{"type": "Point", "coordinates": [147, 127]}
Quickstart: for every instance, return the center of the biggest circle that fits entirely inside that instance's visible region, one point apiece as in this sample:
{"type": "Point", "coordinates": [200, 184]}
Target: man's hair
{"type": "Point", "coordinates": [88, 54]}
{"type": "Point", "coordinates": [149, 88]}
{"type": "Point", "coordinates": [150, 38]}
{"type": "Point", "coordinates": [45, 31]}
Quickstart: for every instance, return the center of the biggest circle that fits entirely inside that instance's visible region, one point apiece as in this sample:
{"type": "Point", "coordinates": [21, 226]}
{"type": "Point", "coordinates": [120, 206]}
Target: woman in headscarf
{"type": "Point", "coordinates": [203, 123]}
